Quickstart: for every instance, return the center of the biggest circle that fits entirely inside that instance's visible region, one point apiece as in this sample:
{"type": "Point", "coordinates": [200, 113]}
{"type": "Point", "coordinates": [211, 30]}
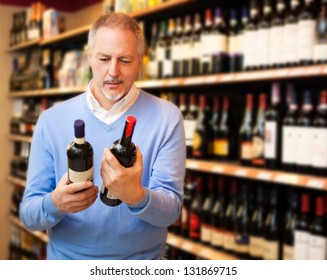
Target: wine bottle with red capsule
{"type": "Point", "coordinates": [125, 152]}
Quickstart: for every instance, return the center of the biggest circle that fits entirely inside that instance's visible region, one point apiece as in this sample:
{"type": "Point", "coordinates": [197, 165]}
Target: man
{"type": "Point", "coordinates": [79, 225]}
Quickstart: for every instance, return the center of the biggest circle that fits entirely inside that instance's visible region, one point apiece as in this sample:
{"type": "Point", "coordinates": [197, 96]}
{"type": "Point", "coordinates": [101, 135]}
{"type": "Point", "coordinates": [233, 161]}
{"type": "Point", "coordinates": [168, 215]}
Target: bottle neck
{"type": "Point", "coordinates": [126, 138]}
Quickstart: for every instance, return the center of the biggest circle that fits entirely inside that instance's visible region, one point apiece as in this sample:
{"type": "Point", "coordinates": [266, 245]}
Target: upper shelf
{"type": "Point", "coordinates": [264, 75]}
{"type": "Point", "coordinates": [250, 76]}
{"type": "Point", "coordinates": [281, 177]}
{"type": "Point", "coordinates": [84, 29]}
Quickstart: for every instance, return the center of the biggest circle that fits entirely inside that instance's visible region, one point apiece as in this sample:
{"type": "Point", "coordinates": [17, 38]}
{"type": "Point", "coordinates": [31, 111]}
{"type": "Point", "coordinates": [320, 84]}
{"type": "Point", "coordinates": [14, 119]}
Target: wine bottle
{"type": "Point", "coordinates": [196, 45]}
{"type": "Point", "coordinates": [246, 133]}
{"type": "Point", "coordinates": [125, 152]}
{"type": "Point", "coordinates": [301, 233]}
{"type": "Point", "coordinates": [186, 207]}
{"type": "Point", "coordinates": [206, 227]}
{"type": "Point", "coordinates": [318, 233]}
{"type": "Point", "coordinates": [242, 224]}
{"type": "Point", "coordinates": [186, 46]}
{"type": "Point", "coordinates": [272, 130]}
{"type": "Point", "coordinates": [190, 121]}
{"type": "Point", "coordinates": [305, 135]}
{"type": "Point", "coordinates": [217, 215]}
{"type": "Point", "coordinates": [290, 51]}
{"type": "Point", "coordinates": [220, 59]}
{"type": "Point", "coordinates": [306, 36]}
{"type": "Point", "coordinates": [195, 213]}
{"type": "Point", "coordinates": [257, 226]}
{"type": "Point", "coordinates": [161, 48]}
{"type": "Point", "coordinates": [168, 61]}
{"type": "Point", "coordinates": [319, 145]}
{"type": "Point", "coordinates": [290, 223]}
{"type": "Point", "coordinates": [264, 36]}
{"type": "Point", "coordinates": [272, 229]}
{"type": "Point", "coordinates": [230, 218]}
{"type": "Point", "coordinates": [289, 134]}
{"type": "Point", "coordinates": [80, 156]}
{"type": "Point", "coordinates": [276, 57]}
{"type": "Point", "coordinates": [203, 132]}
{"type": "Point", "coordinates": [222, 145]}
{"type": "Point", "coordinates": [176, 49]}
{"type": "Point", "coordinates": [320, 48]}
{"type": "Point", "coordinates": [250, 39]}
{"type": "Point", "coordinates": [258, 134]}
{"type": "Point", "coordinates": [206, 48]}
{"type": "Point", "coordinates": [241, 40]}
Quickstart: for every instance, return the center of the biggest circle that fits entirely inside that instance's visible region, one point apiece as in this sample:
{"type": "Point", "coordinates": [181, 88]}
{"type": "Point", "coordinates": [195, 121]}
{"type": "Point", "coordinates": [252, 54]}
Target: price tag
{"type": "Point", "coordinates": [205, 253]}
{"type": "Point", "coordinates": [192, 165]}
{"type": "Point", "coordinates": [316, 183]}
{"type": "Point", "coordinates": [296, 72]}
{"type": "Point", "coordinates": [313, 70]}
{"type": "Point", "coordinates": [187, 246]}
{"type": "Point", "coordinates": [226, 78]}
{"type": "Point", "coordinates": [287, 179]}
{"type": "Point", "coordinates": [265, 75]}
{"type": "Point", "coordinates": [266, 176]}
{"type": "Point", "coordinates": [211, 79]}
{"type": "Point", "coordinates": [192, 81]}
{"type": "Point", "coordinates": [241, 172]}
{"type": "Point", "coordinates": [281, 73]}
{"type": "Point", "coordinates": [218, 169]}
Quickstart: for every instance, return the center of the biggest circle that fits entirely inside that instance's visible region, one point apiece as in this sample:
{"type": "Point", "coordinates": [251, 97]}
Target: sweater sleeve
{"type": "Point", "coordinates": [37, 210]}
{"type": "Point", "coordinates": [162, 203]}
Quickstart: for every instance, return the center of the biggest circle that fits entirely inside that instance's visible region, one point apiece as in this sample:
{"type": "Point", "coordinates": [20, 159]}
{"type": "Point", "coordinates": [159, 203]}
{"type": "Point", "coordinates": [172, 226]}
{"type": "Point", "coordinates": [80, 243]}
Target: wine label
{"type": "Point", "coordinates": [167, 67]}
{"type": "Point", "coordinates": [289, 147]}
{"type": "Point", "coordinates": [218, 43]}
{"type": "Point", "coordinates": [220, 147]}
{"type": "Point", "coordinates": [206, 230]}
{"type": "Point", "coordinates": [242, 243]}
{"type": "Point", "coordinates": [250, 48]}
{"type": "Point", "coordinates": [160, 53]}
{"type": "Point", "coordinates": [320, 52]}
{"type": "Point", "coordinates": [290, 42]}
{"type": "Point", "coordinates": [288, 252]}
{"type": "Point", "coordinates": [194, 225]}
{"type": "Point", "coordinates": [109, 193]}
{"type": "Point", "coordinates": [79, 140]}
{"type": "Point", "coordinates": [276, 45]}
{"type": "Point", "coordinates": [270, 250]}
{"type": "Point", "coordinates": [263, 46]}
{"type": "Point", "coordinates": [229, 240]}
{"type": "Point", "coordinates": [217, 237]}
{"type": "Point", "coordinates": [304, 142]}
{"type": "Point", "coordinates": [319, 147]}
{"type": "Point", "coordinates": [189, 127]}
{"type": "Point", "coordinates": [301, 245]}
{"type": "Point", "coordinates": [270, 147]}
{"type": "Point", "coordinates": [317, 247]}
{"type": "Point", "coordinates": [185, 217]}
{"type": "Point", "coordinates": [256, 246]}
{"type": "Point", "coordinates": [246, 150]}
{"type": "Point", "coordinates": [306, 38]}
{"type": "Point", "coordinates": [233, 45]}
{"type": "Point", "coordinates": [257, 147]}
{"type": "Point", "coordinates": [76, 176]}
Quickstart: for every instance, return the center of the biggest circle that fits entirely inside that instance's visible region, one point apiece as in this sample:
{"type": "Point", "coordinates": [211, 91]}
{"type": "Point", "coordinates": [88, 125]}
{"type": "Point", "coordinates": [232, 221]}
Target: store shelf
{"type": "Point", "coordinates": [48, 92]}
{"type": "Point", "coordinates": [197, 249]}
{"type": "Point", "coordinates": [28, 44]}
{"type": "Point", "coordinates": [20, 138]}
{"type": "Point", "coordinates": [38, 234]}
{"type": "Point", "coordinates": [160, 8]}
{"type": "Point", "coordinates": [16, 181]}
{"type": "Point", "coordinates": [251, 76]}
{"type": "Point", "coordinates": [236, 170]}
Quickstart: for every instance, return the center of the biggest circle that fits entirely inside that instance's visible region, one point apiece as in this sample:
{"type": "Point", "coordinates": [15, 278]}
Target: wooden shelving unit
{"type": "Point", "coordinates": [198, 249]}
{"type": "Point", "coordinates": [38, 234]}
{"type": "Point", "coordinates": [47, 92]}
{"type": "Point", "coordinates": [235, 170]}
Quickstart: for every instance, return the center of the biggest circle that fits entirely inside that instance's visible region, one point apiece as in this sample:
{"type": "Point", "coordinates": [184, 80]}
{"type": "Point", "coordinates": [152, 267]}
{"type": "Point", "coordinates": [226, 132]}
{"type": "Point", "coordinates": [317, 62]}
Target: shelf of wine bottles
{"type": "Point", "coordinates": [250, 220]}
{"type": "Point", "coordinates": [236, 170]}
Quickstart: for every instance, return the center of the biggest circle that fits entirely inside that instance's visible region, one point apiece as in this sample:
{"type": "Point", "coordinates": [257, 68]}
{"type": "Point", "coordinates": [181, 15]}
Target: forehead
{"type": "Point", "coordinates": [113, 37]}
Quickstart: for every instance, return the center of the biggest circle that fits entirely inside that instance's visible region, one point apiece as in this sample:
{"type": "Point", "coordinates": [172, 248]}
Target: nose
{"type": "Point", "coordinates": [113, 68]}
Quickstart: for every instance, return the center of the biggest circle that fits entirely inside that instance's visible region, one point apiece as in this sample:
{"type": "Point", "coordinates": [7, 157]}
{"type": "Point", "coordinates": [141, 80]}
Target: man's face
{"type": "Point", "coordinates": [115, 63]}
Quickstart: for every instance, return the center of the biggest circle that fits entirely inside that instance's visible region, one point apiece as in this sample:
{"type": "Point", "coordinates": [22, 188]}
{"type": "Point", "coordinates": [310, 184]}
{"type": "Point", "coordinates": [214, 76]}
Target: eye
{"type": "Point", "coordinates": [125, 61]}
{"type": "Point", "coordinates": [104, 59]}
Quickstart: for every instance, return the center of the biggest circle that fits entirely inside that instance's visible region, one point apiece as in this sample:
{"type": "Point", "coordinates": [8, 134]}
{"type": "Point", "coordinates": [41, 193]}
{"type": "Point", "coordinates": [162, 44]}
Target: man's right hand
{"type": "Point", "coordinates": [74, 197]}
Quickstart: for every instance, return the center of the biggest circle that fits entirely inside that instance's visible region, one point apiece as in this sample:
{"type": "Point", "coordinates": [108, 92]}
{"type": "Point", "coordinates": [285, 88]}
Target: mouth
{"type": "Point", "coordinates": [113, 83]}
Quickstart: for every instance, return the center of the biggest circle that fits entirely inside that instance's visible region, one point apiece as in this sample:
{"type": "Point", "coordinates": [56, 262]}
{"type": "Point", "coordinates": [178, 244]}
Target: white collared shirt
{"type": "Point", "coordinates": [117, 110]}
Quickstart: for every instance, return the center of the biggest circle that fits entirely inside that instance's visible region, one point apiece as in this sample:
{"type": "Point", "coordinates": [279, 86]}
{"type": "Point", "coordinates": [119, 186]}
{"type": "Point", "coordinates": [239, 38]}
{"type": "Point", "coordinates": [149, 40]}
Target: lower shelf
{"type": "Point", "coordinates": [197, 249]}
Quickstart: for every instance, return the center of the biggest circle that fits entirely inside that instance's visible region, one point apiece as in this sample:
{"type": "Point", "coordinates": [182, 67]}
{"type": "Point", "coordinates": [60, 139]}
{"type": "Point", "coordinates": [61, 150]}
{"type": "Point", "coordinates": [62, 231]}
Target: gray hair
{"type": "Point", "coordinates": [122, 21]}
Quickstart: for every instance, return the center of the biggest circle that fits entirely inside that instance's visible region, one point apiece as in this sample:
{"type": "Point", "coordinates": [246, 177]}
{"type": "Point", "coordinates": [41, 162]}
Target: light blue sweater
{"type": "Point", "coordinates": [103, 232]}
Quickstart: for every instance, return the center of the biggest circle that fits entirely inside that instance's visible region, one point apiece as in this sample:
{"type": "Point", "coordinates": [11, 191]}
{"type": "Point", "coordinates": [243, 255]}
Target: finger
{"type": "Point", "coordinates": [80, 186]}
{"type": "Point", "coordinates": [139, 157]}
